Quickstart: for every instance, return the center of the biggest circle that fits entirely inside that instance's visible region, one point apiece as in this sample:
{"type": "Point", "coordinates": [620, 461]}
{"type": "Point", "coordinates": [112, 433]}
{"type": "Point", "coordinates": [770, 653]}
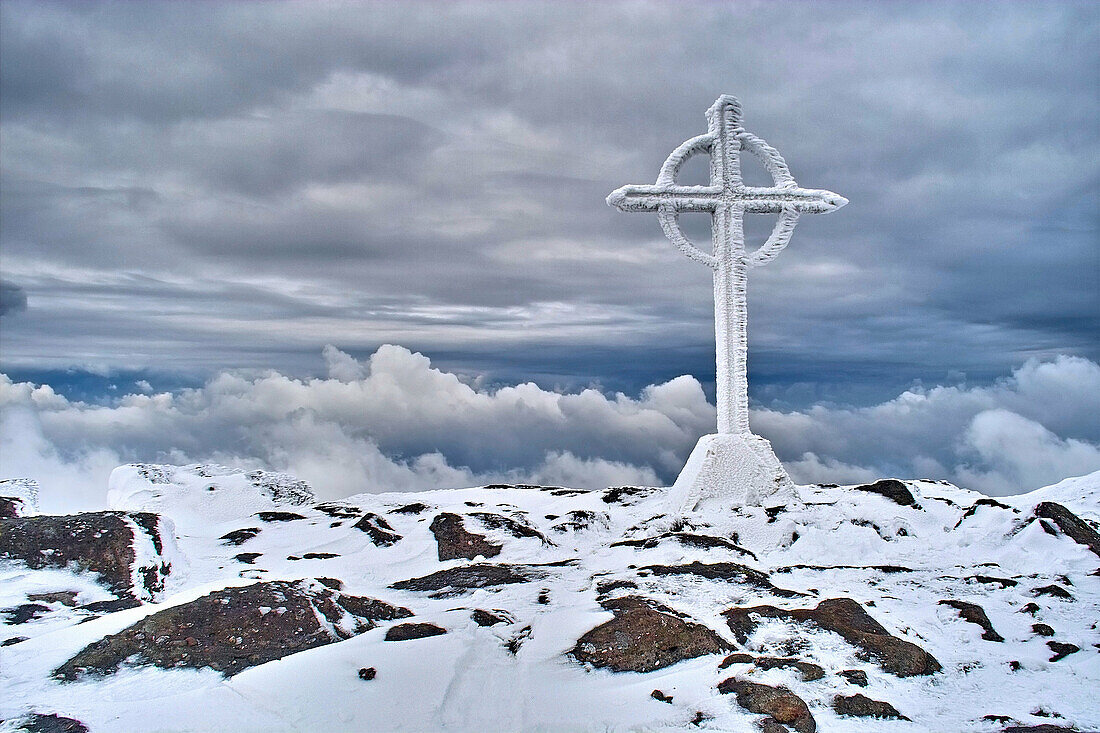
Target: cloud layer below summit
{"type": "Point", "coordinates": [394, 422]}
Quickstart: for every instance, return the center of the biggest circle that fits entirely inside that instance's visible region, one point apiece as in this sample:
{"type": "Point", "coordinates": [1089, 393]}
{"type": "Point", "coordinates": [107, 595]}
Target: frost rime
{"type": "Point", "coordinates": [735, 451]}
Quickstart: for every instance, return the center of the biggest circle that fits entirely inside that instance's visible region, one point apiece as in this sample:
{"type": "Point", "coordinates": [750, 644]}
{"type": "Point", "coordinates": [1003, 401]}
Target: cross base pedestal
{"type": "Point", "coordinates": [738, 469]}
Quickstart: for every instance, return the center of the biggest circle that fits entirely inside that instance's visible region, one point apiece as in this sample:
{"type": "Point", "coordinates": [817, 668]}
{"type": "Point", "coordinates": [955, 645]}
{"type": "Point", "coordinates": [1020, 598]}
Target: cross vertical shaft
{"type": "Point", "coordinates": [730, 321]}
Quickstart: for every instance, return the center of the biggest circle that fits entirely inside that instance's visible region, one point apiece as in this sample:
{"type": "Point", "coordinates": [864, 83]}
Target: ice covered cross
{"type": "Point", "coordinates": [735, 463]}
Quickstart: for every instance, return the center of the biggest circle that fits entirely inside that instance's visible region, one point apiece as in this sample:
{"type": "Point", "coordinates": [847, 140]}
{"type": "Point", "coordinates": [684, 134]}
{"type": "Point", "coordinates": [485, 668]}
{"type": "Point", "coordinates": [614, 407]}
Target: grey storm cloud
{"type": "Point", "coordinates": [13, 299]}
{"type": "Point", "coordinates": [195, 188]}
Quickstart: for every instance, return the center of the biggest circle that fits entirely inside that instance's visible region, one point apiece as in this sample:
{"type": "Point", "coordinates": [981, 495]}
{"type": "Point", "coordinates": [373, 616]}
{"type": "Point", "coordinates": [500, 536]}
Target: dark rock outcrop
{"type": "Point", "coordinates": [512, 526]}
{"type": "Point", "coordinates": [485, 618]}
{"type": "Point", "coordinates": [11, 507]}
{"type": "Point", "coordinates": [338, 510]}
{"type": "Point", "coordinates": [233, 629]}
{"type": "Point", "coordinates": [688, 539]}
{"type": "Point", "coordinates": [23, 613]}
{"type": "Point", "coordinates": [455, 581]}
{"type": "Point", "coordinates": [856, 677]}
{"type": "Point", "coordinates": [1075, 528]}
{"type": "Point", "coordinates": [1062, 650]}
{"type": "Point", "coordinates": [661, 697]}
{"type": "Point", "coordinates": [977, 505]}
{"type": "Point", "coordinates": [404, 632]}
{"type": "Point", "coordinates": [51, 723]}
{"type": "Point", "coordinates": [454, 541]}
{"type": "Point", "coordinates": [1042, 630]}
{"type": "Point", "coordinates": [729, 571]}
{"type": "Point", "coordinates": [415, 508]}
{"type": "Point", "coordinates": [990, 580]}
{"type": "Point", "coordinates": [809, 670]}
{"type": "Point", "coordinates": [64, 597]}
{"type": "Point", "coordinates": [367, 673]}
{"type": "Point", "coordinates": [96, 542]}
{"type": "Point", "coordinates": [778, 702]}
{"type": "Point", "coordinates": [975, 614]}
{"type": "Point", "coordinates": [378, 529]}
{"type": "Point", "coordinates": [892, 489]}
{"type": "Point", "coordinates": [848, 619]}
{"type": "Point", "coordinates": [644, 636]}
{"type": "Point", "coordinates": [239, 536]}
{"type": "Point", "coordinates": [275, 516]}
{"type": "Point", "coordinates": [1054, 591]}
{"type": "Point", "coordinates": [861, 706]}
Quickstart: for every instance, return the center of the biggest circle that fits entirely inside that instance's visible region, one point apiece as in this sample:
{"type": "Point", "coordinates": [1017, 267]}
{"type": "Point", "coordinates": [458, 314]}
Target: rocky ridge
{"type": "Point", "coordinates": [852, 608]}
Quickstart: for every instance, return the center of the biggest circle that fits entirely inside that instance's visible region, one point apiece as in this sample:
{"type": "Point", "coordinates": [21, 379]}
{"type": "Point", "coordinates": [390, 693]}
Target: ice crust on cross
{"type": "Point", "coordinates": [734, 464]}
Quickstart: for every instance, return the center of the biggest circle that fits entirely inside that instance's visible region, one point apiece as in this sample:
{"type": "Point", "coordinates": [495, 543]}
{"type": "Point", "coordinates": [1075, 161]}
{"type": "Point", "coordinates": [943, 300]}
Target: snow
{"type": "Point", "coordinates": [467, 680]}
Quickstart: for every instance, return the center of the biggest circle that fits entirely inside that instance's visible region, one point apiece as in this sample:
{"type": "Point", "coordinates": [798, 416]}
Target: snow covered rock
{"type": "Point", "coordinates": [18, 497]}
{"type": "Point", "coordinates": [130, 553]}
{"type": "Point", "coordinates": [191, 495]}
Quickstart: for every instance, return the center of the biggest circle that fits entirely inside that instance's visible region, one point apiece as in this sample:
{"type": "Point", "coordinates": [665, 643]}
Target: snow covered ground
{"type": "Point", "coordinates": [897, 560]}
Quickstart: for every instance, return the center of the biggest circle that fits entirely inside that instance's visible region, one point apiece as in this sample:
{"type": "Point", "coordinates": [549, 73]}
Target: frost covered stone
{"type": "Point", "coordinates": [734, 463]}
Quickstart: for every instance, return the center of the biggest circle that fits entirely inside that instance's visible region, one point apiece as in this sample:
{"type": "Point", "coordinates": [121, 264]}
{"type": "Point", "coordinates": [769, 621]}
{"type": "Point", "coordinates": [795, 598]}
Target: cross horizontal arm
{"type": "Point", "coordinates": [678, 198]}
{"type": "Point", "coordinates": [754, 200]}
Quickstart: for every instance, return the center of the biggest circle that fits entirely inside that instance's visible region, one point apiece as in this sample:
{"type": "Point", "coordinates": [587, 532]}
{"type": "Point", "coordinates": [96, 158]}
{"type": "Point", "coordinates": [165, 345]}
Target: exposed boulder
{"type": "Point", "coordinates": [125, 550]}
{"type": "Point", "coordinates": [616, 494]}
{"type": "Point", "coordinates": [729, 571]}
{"type": "Point", "coordinates": [233, 629]}
{"type": "Point", "coordinates": [455, 581]}
{"type": "Point", "coordinates": [378, 529]}
{"type": "Point", "coordinates": [661, 697]}
{"type": "Point", "coordinates": [404, 632]}
{"type": "Point", "coordinates": [1042, 630]}
{"type": "Point", "coordinates": [975, 614]}
{"type": "Point", "coordinates": [778, 702]}
{"type": "Point", "coordinates": [892, 489]}
{"type": "Point", "coordinates": [1075, 528]}
{"type": "Point", "coordinates": [454, 541]}
{"type": "Point", "coordinates": [848, 619]}
{"type": "Point", "coordinates": [644, 636]}
{"type": "Point", "coordinates": [809, 670]}
{"type": "Point", "coordinates": [861, 706]}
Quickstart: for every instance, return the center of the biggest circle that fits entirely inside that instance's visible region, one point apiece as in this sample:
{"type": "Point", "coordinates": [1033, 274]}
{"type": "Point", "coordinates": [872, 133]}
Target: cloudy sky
{"type": "Point", "coordinates": [197, 199]}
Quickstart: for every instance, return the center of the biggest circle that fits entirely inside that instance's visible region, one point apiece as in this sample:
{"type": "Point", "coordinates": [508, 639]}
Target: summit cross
{"type": "Point", "coordinates": [722, 460]}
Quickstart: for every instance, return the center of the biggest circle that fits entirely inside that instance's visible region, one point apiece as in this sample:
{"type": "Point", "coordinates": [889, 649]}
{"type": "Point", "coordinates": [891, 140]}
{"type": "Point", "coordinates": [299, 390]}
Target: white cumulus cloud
{"type": "Point", "coordinates": [394, 423]}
